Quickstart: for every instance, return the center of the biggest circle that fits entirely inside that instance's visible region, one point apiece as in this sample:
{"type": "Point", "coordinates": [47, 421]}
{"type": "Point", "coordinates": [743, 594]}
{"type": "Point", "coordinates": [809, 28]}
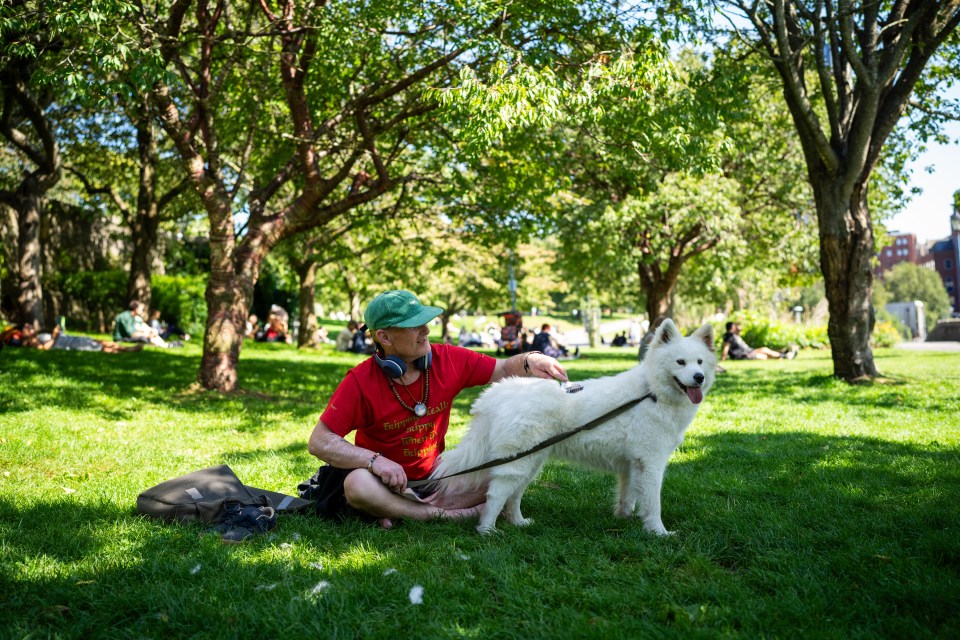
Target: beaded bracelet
{"type": "Point", "coordinates": [370, 464]}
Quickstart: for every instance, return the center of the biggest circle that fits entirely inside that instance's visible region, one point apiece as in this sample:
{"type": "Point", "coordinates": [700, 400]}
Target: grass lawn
{"type": "Point", "coordinates": [803, 508]}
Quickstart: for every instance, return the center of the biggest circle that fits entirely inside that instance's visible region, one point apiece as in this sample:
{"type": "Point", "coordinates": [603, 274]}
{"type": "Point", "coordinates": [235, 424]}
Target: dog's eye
{"type": "Point", "coordinates": [682, 363]}
{"type": "Point", "coordinates": [699, 360]}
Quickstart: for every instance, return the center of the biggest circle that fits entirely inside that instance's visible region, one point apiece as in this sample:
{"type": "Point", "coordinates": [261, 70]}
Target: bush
{"type": "Point", "coordinates": [181, 299]}
{"type": "Point", "coordinates": [93, 297]}
{"type": "Point", "coordinates": [885, 335]}
{"type": "Point", "coordinates": [760, 331]}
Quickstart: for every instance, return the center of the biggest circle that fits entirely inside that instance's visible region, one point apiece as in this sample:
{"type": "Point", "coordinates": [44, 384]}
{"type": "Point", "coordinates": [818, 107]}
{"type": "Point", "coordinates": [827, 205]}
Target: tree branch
{"type": "Point", "coordinates": [108, 190]}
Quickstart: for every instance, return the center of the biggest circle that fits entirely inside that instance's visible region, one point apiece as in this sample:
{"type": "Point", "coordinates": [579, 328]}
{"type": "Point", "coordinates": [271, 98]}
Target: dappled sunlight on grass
{"type": "Point", "coordinates": [793, 491]}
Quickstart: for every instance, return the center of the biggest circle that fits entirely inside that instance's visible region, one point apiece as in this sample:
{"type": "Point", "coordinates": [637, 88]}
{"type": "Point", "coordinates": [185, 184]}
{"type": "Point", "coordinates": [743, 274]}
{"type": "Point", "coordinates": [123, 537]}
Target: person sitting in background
{"type": "Point", "coordinates": [359, 344]}
{"type": "Point", "coordinates": [166, 330]}
{"type": "Point", "coordinates": [59, 340]}
{"type": "Point", "coordinates": [345, 337]}
{"type": "Point", "coordinates": [252, 326]}
{"type": "Point", "coordinates": [735, 348]}
{"type": "Point", "coordinates": [545, 343]}
{"type": "Point", "coordinates": [276, 327]}
{"type": "Point", "coordinates": [11, 336]}
{"type": "Point", "coordinates": [129, 326]}
{"type": "Point", "coordinates": [620, 340]}
{"type": "Point", "coordinates": [323, 336]}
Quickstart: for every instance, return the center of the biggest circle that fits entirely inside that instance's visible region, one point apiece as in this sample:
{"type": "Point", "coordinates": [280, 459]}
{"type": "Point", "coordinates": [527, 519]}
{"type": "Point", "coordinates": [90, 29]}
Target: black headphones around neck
{"type": "Point", "coordinates": [394, 366]}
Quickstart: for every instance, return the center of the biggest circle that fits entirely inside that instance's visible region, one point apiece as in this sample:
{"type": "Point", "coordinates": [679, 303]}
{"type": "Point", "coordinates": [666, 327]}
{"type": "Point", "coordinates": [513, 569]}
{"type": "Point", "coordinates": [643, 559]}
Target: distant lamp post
{"type": "Point", "coordinates": [798, 313]}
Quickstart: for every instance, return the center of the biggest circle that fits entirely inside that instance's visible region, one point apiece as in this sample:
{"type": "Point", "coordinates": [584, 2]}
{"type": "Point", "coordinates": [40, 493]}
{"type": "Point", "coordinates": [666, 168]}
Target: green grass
{"type": "Point", "coordinates": [803, 508]}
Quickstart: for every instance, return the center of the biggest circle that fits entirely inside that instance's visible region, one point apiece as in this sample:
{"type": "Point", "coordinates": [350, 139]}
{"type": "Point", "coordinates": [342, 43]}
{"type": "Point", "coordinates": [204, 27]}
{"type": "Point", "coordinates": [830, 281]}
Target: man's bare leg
{"type": "Point", "coordinates": [365, 492]}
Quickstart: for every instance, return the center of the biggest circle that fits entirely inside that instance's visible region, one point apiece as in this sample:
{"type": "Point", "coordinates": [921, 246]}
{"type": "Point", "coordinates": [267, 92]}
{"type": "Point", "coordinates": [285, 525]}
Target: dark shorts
{"type": "Point", "coordinates": [325, 489]}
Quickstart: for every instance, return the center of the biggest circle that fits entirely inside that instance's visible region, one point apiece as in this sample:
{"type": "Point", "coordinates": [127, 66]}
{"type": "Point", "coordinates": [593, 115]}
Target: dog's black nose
{"type": "Point", "coordinates": [698, 377]}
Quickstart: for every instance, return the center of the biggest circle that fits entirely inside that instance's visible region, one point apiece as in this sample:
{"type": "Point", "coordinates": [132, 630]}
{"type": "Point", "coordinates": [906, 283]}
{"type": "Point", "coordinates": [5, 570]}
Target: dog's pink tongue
{"type": "Point", "coordinates": [695, 394]}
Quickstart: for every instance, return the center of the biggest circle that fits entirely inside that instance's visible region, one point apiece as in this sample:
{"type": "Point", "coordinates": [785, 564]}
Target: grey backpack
{"type": "Point", "coordinates": [201, 495]}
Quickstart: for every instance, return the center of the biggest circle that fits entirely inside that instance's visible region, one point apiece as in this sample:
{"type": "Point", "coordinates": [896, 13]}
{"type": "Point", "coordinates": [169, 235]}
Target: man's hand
{"type": "Point", "coordinates": [541, 366]}
{"type": "Point", "coordinates": [390, 473]}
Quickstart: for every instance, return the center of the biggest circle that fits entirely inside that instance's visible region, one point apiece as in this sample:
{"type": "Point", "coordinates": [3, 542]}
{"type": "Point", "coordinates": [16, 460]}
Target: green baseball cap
{"type": "Point", "coordinates": [398, 308]}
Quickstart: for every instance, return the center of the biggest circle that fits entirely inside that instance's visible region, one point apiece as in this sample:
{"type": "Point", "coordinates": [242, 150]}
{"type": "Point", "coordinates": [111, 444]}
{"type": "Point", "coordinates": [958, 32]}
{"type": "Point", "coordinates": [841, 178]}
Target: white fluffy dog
{"type": "Point", "coordinates": [516, 414]}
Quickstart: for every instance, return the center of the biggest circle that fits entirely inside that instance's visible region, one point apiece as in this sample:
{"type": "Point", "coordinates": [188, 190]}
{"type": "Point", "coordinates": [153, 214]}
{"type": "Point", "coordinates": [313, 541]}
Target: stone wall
{"type": "Point", "coordinates": [945, 331]}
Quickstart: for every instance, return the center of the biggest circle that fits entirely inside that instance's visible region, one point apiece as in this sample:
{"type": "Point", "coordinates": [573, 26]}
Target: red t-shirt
{"type": "Point", "coordinates": [364, 402]}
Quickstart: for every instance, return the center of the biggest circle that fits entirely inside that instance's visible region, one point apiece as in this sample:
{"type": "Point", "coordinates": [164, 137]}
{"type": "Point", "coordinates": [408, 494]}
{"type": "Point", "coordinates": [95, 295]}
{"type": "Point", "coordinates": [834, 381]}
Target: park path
{"type": "Point", "coordinates": [578, 337]}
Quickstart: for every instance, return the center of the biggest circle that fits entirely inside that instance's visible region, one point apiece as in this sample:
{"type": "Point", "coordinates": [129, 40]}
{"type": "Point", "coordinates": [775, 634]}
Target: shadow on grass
{"type": "Point", "coordinates": [78, 570]}
{"type": "Point", "coordinates": [115, 386]}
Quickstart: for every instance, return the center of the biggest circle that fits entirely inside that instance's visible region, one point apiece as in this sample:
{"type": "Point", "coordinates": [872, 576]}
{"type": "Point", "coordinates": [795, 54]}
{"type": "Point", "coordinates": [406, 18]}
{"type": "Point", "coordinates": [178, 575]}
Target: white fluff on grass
{"type": "Point", "coordinates": [195, 570]}
{"type": "Point", "coordinates": [321, 586]}
{"type": "Point", "coordinates": [389, 571]}
{"type": "Point", "coordinates": [416, 594]}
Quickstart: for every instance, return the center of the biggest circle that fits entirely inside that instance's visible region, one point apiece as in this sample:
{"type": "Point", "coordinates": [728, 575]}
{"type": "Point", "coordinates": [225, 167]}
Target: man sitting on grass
{"type": "Point", "coordinates": [130, 326]}
{"type": "Point", "coordinates": [398, 401]}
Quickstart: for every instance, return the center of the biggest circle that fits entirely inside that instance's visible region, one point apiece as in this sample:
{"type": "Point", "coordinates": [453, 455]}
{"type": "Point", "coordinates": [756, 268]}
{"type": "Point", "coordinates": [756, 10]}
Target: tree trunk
{"type": "Point", "coordinates": [30, 296]}
{"type": "Point", "coordinates": [355, 313]}
{"type": "Point", "coordinates": [309, 327]}
{"type": "Point", "coordinates": [658, 303]}
{"type": "Point", "coordinates": [233, 274]}
{"type": "Point", "coordinates": [146, 224]}
{"type": "Point", "coordinates": [444, 323]}
{"type": "Point", "coordinates": [657, 285]}
{"type": "Point", "coordinates": [846, 250]}
{"type": "Point", "coordinates": [228, 299]}
{"type": "Point", "coordinates": [145, 235]}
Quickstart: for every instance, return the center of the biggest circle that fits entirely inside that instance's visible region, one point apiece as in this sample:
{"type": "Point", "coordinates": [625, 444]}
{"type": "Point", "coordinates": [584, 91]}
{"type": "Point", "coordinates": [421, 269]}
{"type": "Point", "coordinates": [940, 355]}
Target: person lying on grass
{"type": "Point", "coordinates": [59, 340]}
{"type": "Point", "coordinates": [398, 401]}
{"type": "Point", "coordinates": [735, 348]}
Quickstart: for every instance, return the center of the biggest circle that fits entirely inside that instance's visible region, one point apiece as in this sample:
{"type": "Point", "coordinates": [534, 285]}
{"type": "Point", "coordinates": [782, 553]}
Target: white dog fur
{"type": "Point", "coordinates": [516, 414]}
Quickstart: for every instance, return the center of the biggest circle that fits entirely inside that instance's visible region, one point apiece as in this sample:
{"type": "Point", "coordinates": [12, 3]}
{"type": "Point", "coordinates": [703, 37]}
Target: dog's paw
{"type": "Point", "coordinates": [486, 530]}
{"type": "Point", "coordinates": [523, 522]}
{"type": "Point", "coordinates": [659, 529]}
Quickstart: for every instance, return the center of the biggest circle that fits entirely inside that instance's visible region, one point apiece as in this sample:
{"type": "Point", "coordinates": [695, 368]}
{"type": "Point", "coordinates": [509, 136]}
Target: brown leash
{"type": "Point", "coordinates": [596, 422]}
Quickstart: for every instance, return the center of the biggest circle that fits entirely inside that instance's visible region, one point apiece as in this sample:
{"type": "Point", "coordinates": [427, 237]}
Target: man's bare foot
{"type": "Point", "coordinates": [469, 512]}
{"type": "Point", "coordinates": [385, 523]}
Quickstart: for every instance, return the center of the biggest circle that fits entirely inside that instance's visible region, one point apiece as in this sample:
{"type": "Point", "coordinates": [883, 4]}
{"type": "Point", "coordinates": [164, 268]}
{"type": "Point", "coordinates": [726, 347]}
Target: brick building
{"type": "Point", "coordinates": [943, 256]}
{"type": "Point", "coordinates": [902, 248]}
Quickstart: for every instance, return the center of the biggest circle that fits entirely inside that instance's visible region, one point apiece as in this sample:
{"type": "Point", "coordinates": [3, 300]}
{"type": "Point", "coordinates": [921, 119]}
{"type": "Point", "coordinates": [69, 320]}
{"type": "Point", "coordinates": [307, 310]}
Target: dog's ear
{"type": "Point", "coordinates": [705, 334]}
{"type": "Point", "coordinates": [666, 332]}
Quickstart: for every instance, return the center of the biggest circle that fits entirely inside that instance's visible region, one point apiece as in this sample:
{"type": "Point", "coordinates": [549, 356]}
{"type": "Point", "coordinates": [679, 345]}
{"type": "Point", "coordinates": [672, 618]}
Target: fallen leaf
{"type": "Point", "coordinates": [416, 594]}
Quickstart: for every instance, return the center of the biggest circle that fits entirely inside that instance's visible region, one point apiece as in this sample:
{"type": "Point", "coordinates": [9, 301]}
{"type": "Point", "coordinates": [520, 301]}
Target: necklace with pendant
{"type": "Point", "coordinates": [419, 409]}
